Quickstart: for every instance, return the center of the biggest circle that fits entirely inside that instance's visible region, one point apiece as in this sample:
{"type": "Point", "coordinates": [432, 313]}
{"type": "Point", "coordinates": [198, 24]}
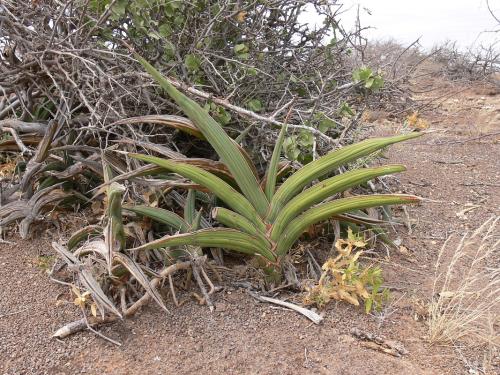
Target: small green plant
{"type": "Point", "coordinates": [299, 147]}
{"type": "Point", "coordinates": [371, 81]}
{"type": "Point", "coordinates": [264, 219]}
{"type": "Point", "coordinates": [218, 112]}
{"type": "Point", "coordinates": [344, 279]}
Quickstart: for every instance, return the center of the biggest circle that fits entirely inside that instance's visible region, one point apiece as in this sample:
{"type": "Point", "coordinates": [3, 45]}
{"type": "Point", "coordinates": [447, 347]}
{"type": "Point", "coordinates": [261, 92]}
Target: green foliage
{"type": "Point", "coordinates": [218, 112]}
{"type": "Point", "coordinates": [370, 80]}
{"type": "Point", "coordinates": [45, 262]}
{"type": "Point", "coordinates": [192, 63]}
{"type": "Point", "coordinates": [268, 224]}
{"type": "Point", "coordinates": [254, 105]}
{"type": "Point", "coordinates": [241, 51]}
{"type": "Point", "coordinates": [345, 110]}
{"type": "Point", "coordinates": [233, 51]}
{"type": "Point", "coordinates": [299, 147]}
{"type": "Point", "coordinates": [190, 222]}
{"type": "Point", "coordinates": [114, 232]}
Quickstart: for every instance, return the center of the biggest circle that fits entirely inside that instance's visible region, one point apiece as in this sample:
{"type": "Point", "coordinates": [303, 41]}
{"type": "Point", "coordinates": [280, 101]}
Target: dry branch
{"type": "Point", "coordinates": [80, 325]}
{"type": "Point", "coordinates": [250, 114]}
{"type": "Point", "coordinates": [309, 314]}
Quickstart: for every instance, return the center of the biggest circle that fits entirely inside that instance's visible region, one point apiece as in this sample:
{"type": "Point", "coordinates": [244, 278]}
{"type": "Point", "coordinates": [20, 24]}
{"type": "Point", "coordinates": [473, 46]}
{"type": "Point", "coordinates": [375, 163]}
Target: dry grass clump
{"type": "Point", "coordinates": [466, 294]}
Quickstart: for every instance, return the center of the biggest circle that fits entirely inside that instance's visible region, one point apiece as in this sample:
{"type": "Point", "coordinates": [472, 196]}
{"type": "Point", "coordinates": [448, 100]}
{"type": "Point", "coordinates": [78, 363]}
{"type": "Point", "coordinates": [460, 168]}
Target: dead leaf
{"type": "Point", "coordinates": [404, 250]}
{"type": "Point", "coordinates": [81, 298]}
{"type": "Point", "coordinates": [93, 310]}
{"type": "Point", "coordinates": [240, 17]}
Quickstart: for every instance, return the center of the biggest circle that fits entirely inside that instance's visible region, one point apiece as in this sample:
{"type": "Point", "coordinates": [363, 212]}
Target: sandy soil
{"type": "Point", "coordinates": [452, 166]}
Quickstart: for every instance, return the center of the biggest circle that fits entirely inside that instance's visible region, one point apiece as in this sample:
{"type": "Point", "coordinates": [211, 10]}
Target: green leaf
{"type": "Point", "coordinates": [225, 147]}
{"type": "Point", "coordinates": [98, 6]}
{"type": "Point", "coordinates": [221, 115]}
{"type": "Point", "coordinates": [154, 35]}
{"type": "Point", "coordinates": [233, 220]}
{"type": "Point", "coordinates": [196, 223]}
{"type": "Point", "coordinates": [83, 235]}
{"type": "Point", "coordinates": [325, 189]}
{"type": "Point", "coordinates": [254, 105]}
{"type": "Point", "coordinates": [179, 19]}
{"type": "Point", "coordinates": [305, 138]}
{"type": "Point", "coordinates": [251, 72]}
{"type": "Point", "coordinates": [160, 215]}
{"type": "Point", "coordinates": [370, 80]}
{"type": "Point", "coordinates": [345, 110]}
{"type": "Point", "coordinates": [213, 237]}
{"type": "Point", "coordinates": [378, 83]}
{"type": "Point", "coordinates": [324, 211]}
{"type": "Point", "coordinates": [362, 74]}
{"type": "Point", "coordinates": [291, 148]}
{"type": "Point", "coordinates": [273, 164]}
{"type": "Point", "coordinates": [216, 185]}
{"type": "Point", "coordinates": [325, 124]}
{"type": "Point", "coordinates": [192, 63]}
{"type": "Point", "coordinates": [165, 30]}
{"type": "Point", "coordinates": [119, 9]}
{"type": "Point", "coordinates": [326, 164]}
{"type": "Point", "coordinates": [240, 48]}
{"type": "Point", "coordinates": [241, 51]}
{"type": "Point", "coordinates": [189, 207]}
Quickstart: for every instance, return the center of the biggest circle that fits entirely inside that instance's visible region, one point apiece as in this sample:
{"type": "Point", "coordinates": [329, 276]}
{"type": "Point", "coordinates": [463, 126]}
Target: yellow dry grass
{"type": "Point", "coordinates": [465, 308]}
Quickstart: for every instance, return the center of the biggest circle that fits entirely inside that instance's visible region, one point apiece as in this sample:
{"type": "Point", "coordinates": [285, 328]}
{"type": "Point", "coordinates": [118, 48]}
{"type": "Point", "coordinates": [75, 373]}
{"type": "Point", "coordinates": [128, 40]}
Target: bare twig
{"type": "Point", "coordinates": [247, 113]}
{"type": "Point", "coordinates": [309, 314]}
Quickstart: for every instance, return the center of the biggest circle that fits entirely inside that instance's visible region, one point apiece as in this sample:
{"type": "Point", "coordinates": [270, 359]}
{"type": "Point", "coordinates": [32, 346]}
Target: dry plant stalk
{"type": "Point", "coordinates": [466, 293]}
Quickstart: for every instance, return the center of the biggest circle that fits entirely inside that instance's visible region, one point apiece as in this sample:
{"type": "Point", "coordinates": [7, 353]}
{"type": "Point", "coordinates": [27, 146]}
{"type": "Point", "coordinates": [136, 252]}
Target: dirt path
{"type": "Point", "coordinates": [245, 337]}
